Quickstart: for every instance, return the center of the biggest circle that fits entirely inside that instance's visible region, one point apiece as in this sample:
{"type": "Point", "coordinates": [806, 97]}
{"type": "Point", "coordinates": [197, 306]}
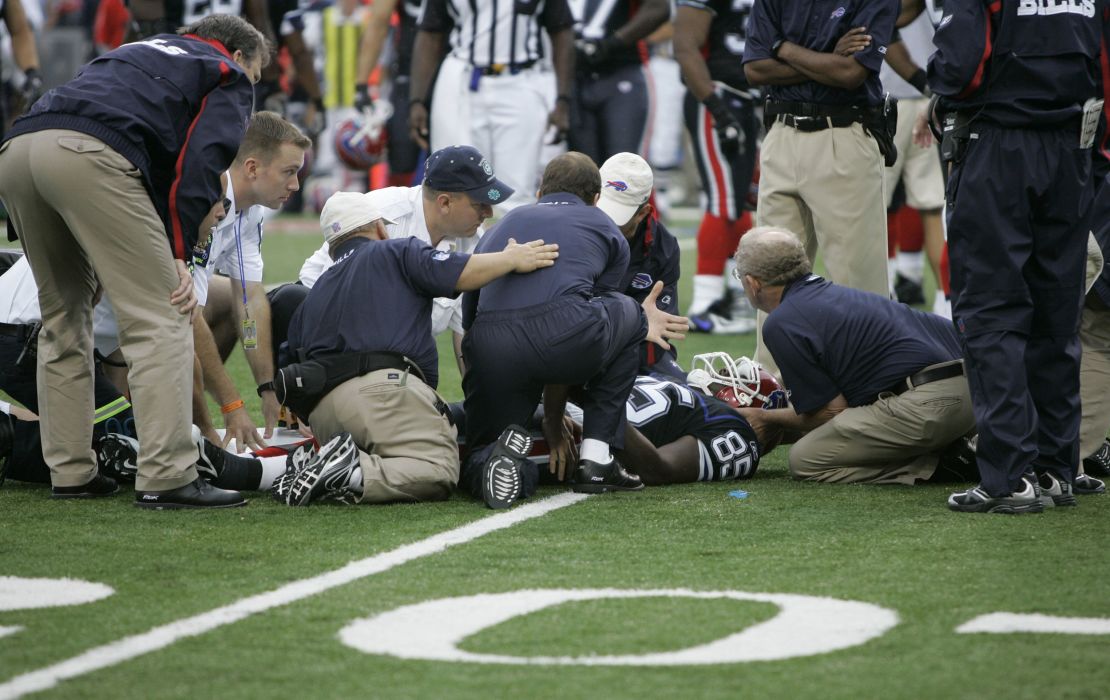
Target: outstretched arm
{"type": "Point", "coordinates": [484, 268]}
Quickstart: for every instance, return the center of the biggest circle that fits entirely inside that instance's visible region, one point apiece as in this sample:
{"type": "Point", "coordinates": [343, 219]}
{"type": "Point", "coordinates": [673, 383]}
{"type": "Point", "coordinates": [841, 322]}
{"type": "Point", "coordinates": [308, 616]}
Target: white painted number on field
{"type": "Point", "coordinates": [1008, 623]}
{"type": "Point", "coordinates": [30, 593]}
{"type": "Point", "coordinates": [804, 626]}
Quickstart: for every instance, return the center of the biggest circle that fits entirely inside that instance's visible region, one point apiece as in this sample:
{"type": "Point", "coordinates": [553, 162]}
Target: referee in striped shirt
{"type": "Point", "coordinates": [491, 91]}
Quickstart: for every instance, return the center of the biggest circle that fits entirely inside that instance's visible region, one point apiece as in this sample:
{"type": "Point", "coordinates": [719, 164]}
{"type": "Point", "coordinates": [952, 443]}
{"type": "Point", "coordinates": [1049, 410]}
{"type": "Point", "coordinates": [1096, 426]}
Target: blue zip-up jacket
{"type": "Point", "coordinates": [175, 106]}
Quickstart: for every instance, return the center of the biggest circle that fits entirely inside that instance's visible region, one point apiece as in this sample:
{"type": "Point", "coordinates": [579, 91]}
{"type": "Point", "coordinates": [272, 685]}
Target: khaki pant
{"type": "Point", "coordinates": [84, 216]}
{"type": "Point", "coordinates": [826, 187]}
{"type": "Point", "coordinates": [407, 449]}
{"type": "Point", "coordinates": [896, 440]}
{"type": "Point", "coordinates": [1094, 380]}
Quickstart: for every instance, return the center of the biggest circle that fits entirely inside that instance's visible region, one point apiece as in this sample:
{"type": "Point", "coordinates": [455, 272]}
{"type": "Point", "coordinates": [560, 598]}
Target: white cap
{"type": "Point", "coordinates": [626, 183]}
{"type": "Point", "coordinates": [346, 211]}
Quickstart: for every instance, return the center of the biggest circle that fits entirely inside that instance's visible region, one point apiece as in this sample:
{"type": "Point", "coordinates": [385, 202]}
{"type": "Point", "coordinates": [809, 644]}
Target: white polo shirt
{"type": "Point", "coordinates": [239, 232]}
{"type": "Point", "coordinates": [405, 206]}
{"type": "Point", "coordinates": [19, 305]}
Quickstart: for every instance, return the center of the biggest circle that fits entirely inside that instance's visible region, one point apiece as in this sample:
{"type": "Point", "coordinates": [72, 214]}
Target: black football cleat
{"type": "Point", "coordinates": [908, 291]}
{"type": "Point", "coordinates": [98, 487]}
{"type": "Point", "coordinates": [1086, 485]}
{"type": "Point", "coordinates": [327, 476]}
{"type": "Point", "coordinates": [592, 477]}
{"type": "Point", "coordinates": [1097, 464]}
{"type": "Point", "coordinates": [117, 457]}
{"type": "Point", "coordinates": [502, 481]}
{"type": "Point", "coordinates": [196, 494]}
{"type": "Point", "coordinates": [298, 459]}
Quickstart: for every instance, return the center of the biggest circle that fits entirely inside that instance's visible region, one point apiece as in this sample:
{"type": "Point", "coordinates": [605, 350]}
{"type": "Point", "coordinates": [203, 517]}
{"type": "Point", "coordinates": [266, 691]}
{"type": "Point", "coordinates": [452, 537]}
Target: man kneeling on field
{"type": "Point", "coordinates": [385, 432]}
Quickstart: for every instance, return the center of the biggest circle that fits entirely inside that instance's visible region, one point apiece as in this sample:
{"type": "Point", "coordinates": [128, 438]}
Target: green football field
{"type": "Point", "coordinates": [765, 588]}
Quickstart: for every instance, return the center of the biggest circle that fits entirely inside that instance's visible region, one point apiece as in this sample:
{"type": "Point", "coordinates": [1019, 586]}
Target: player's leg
{"type": "Point", "coordinates": [586, 117]}
{"type": "Point", "coordinates": [284, 302]}
{"type": "Point", "coordinates": [623, 112]}
{"type": "Point", "coordinates": [402, 151]}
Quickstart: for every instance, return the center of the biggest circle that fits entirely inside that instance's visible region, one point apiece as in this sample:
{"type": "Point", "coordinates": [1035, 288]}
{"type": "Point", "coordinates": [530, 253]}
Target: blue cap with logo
{"type": "Point", "coordinates": [465, 169]}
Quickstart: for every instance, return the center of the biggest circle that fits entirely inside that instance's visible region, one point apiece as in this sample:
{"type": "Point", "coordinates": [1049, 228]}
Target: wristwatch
{"type": "Point", "coordinates": [776, 46]}
{"type": "Point", "coordinates": [265, 386]}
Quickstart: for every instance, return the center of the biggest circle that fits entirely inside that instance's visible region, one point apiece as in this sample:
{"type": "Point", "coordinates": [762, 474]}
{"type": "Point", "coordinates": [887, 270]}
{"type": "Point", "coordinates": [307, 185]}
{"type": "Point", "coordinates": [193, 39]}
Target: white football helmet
{"type": "Point", "coordinates": [740, 382]}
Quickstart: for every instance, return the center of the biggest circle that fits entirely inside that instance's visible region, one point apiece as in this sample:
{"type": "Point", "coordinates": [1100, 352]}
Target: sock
{"type": "Point", "coordinates": [945, 280]}
{"type": "Point", "coordinates": [717, 240]}
{"type": "Point", "coordinates": [911, 265]}
{"type": "Point", "coordinates": [911, 232]}
{"type": "Point", "coordinates": [707, 289]}
{"type": "Point", "coordinates": [892, 230]}
{"type": "Point", "coordinates": [240, 473]}
{"type": "Point", "coordinates": [890, 276]}
{"type": "Point", "coordinates": [271, 469]}
{"type": "Point", "coordinates": [355, 482]}
{"type": "Point", "coordinates": [595, 451]}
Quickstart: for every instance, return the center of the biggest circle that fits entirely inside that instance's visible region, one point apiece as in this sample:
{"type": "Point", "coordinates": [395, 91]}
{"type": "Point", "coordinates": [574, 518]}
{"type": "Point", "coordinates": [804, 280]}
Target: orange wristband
{"type": "Point", "coordinates": [233, 406]}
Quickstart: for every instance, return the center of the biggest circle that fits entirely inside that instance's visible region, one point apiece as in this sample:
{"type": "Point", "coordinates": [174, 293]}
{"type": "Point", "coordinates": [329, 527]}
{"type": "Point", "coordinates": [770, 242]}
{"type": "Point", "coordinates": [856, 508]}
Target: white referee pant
{"type": "Point", "coordinates": [505, 119]}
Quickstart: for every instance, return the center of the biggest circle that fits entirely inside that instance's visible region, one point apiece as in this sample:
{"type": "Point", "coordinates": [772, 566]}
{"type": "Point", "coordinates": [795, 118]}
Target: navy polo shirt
{"type": "Point", "coordinates": [593, 254]}
{"type": "Point", "coordinates": [378, 297]}
{"type": "Point", "coordinates": [817, 25]}
{"type": "Point", "coordinates": [829, 340]}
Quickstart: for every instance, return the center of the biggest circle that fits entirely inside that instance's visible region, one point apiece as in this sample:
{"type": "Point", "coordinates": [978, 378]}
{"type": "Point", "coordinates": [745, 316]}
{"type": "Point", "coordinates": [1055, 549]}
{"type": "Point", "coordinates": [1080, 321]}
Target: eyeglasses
{"type": "Point", "coordinates": [736, 274]}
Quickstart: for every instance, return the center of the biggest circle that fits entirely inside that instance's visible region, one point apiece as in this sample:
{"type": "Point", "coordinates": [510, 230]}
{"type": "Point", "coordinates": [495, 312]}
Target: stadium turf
{"type": "Point", "coordinates": [896, 548]}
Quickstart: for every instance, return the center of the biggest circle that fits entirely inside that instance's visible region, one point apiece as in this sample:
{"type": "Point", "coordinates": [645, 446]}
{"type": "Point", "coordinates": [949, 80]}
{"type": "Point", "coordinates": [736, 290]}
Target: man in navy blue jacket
{"type": "Point", "coordinates": [106, 181]}
{"type": "Point", "coordinates": [553, 331]}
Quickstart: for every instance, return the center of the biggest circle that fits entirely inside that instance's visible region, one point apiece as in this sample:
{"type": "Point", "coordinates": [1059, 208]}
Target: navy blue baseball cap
{"type": "Point", "coordinates": [465, 169]}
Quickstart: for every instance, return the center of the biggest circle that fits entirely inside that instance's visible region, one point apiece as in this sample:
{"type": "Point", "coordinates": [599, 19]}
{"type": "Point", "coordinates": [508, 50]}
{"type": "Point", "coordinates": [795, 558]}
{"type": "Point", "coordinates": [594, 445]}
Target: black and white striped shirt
{"type": "Point", "coordinates": [487, 33]}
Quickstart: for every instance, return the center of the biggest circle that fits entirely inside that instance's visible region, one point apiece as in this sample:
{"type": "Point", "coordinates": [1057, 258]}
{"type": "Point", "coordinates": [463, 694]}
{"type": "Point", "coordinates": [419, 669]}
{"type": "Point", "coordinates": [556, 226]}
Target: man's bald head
{"type": "Point", "coordinates": [574, 173]}
{"type": "Point", "coordinates": [774, 256]}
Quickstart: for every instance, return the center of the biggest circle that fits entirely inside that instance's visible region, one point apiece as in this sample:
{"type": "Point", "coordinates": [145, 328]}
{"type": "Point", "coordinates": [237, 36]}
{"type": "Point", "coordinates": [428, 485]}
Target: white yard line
{"type": "Point", "coordinates": [163, 636]}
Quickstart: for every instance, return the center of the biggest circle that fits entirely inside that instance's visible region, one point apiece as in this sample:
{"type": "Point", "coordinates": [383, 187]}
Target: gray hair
{"type": "Point", "coordinates": [235, 33]}
{"type": "Point", "coordinates": [774, 256]}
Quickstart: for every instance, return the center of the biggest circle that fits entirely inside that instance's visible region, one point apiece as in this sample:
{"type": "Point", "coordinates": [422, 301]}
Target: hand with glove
{"type": "Point", "coordinates": [729, 133]}
{"type": "Point", "coordinates": [592, 53]}
{"type": "Point", "coordinates": [363, 101]}
{"type": "Point", "coordinates": [32, 87]}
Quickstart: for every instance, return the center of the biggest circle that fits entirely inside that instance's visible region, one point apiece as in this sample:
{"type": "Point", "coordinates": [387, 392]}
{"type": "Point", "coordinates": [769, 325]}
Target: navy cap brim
{"type": "Point", "coordinates": [491, 193]}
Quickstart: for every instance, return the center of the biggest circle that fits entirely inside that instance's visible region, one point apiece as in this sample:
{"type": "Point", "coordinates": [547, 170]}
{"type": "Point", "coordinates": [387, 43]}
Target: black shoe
{"type": "Point", "coordinates": [196, 494]}
{"type": "Point", "coordinates": [117, 457]}
{"type": "Point", "coordinates": [98, 487]}
{"type": "Point", "coordinates": [501, 475]}
{"type": "Point", "coordinates": [592, 477]}
{"type": "Point", "coordinates": [977, 500]}
{"type": "Point", "coordinates": [1055, 492]}
{"type": "Point", "coordinates": [1085, 484]}
{"type": "Point", "coordinates": [1097, 464]}
{"type": "Point", "coordinates": [908, 291]}
{"type": "Point", "coordinates": [957, 463]}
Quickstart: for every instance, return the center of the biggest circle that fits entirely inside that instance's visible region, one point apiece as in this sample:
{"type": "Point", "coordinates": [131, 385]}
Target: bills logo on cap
{"type": "Point", "coordinates": [642, 280]}
{"type": "Point", "coordinates": [335, 227]}
{"type": "Point", "coordinates": [618, 185]}
{"type": "Point", "coordinates": [494, 194]}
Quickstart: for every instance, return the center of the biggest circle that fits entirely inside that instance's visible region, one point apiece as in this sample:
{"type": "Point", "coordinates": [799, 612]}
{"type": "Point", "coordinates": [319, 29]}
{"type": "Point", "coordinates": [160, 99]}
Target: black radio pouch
{"type": "Point", "coordinates": [882, 122]}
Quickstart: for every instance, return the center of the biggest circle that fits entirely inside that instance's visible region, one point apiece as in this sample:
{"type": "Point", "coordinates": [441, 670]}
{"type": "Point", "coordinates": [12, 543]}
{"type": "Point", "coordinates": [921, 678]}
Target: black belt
{"type": "Point", "coordinates": [503, 68]}
{"type": "Point", "coordinates": [935, 373]}
{"type": "Point", "coordinates": [809, 116]}
{"type": "Point", "coordinates": [19, 330]}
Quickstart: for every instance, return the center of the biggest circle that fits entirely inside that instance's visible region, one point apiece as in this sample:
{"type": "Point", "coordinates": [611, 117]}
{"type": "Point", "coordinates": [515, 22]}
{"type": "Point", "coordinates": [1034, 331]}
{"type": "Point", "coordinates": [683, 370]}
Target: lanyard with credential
{"type": "Point", "coordinates": [250, 330]}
